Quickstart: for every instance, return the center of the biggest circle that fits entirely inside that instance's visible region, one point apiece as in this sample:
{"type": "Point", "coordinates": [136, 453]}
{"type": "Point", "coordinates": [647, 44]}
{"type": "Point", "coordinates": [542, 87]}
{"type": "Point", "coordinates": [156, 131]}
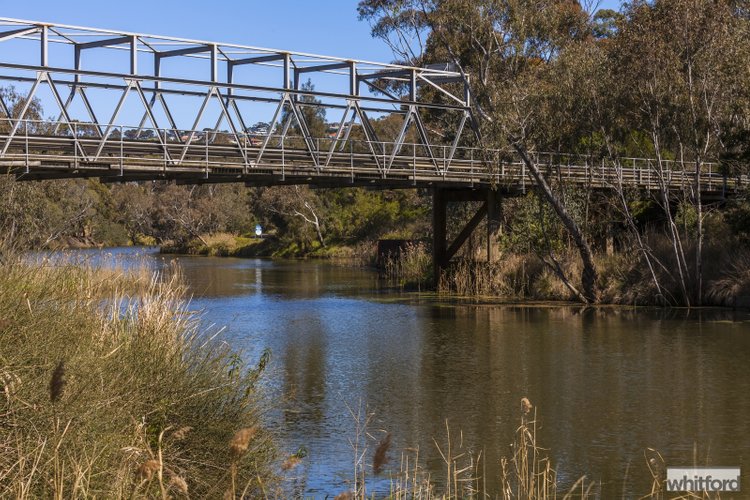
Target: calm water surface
{"type": "Point", "coordinates": [607, 383]}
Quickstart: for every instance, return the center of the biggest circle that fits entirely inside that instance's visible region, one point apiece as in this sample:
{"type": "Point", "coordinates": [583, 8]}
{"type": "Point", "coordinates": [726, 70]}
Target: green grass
{"type": "Point", "coordinates": [109, 388]}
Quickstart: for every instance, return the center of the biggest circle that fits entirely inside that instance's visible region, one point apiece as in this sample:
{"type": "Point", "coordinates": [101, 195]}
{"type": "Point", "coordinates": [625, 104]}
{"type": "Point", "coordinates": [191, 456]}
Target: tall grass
{"type": "Point", "coordinates": [623, 277]}
{"type": "Point", "coordinates": [525, 473]}
{"type": "Point", "coordinates": [109, 388]}
{"type": "Point", "coordinates": [411, 268]}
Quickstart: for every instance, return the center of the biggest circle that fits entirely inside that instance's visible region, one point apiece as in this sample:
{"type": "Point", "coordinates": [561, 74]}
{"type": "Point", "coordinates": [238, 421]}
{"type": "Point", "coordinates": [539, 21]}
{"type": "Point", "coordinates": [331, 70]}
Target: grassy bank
{"type": "Point", "coordinates": [109, 388]}
{"type": "Point", "coordinates": [232, 245]}
{"type": "Point", "coordinates": [624, 277]}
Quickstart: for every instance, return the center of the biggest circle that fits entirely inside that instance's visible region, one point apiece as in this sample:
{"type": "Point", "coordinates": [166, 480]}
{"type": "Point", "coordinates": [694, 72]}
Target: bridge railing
{"type": "Point", "coordinates": [31, 143]}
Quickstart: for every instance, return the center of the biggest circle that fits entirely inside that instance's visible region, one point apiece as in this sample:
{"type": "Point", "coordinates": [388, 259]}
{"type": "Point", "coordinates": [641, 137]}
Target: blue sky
{"type": "Point", "coordinates": [328, 27]}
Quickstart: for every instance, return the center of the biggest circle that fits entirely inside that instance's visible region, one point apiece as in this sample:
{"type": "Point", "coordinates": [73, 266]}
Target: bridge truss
{"type": "Point", "coordinates": [156, 74]}
{"type": "Point", "coordinates": [132, 106]}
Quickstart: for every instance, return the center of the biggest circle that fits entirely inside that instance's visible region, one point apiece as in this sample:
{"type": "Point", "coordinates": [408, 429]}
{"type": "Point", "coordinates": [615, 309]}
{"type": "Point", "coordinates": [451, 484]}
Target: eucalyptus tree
{"type": "Point", "coordinates": [680, 72]}
{"type": "Point", "coordinates": [505, 50]}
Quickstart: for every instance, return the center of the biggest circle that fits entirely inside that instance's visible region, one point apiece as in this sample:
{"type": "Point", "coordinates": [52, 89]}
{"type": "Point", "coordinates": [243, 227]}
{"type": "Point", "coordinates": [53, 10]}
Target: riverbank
{"type": "Point", "coordinates": [232, 245]}
{"type": "Point", "coordinates": [624, 277]}
{"type": "Point", "coordinates": [109, 387]}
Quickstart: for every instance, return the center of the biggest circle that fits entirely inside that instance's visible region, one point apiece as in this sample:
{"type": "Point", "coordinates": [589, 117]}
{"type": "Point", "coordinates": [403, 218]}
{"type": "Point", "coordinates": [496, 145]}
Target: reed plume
{"type": "Point", "coordinates": [380, 458]}
{"type": "Point", "coordinates": [57, 382]}
{"type": "Point", "coordinates": [241, 440]}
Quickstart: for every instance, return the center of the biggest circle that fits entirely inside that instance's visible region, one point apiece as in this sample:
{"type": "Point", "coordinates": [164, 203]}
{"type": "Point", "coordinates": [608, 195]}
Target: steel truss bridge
{"type": "Point", "coordinates": [138, 107]}
{"type": "Point", "coordinates": [116, 96]}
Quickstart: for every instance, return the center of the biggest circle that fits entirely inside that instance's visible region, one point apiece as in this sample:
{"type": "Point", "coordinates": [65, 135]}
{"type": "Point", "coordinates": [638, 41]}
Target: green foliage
{"type": "Point", "coordinates": [738, 219]}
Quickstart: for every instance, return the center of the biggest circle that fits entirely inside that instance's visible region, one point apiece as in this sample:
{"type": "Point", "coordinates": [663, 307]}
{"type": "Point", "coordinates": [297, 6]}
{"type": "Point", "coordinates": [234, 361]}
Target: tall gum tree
{"type": "Point", "coordinates": [504, 50]}
{"type": "Point", "coordinates": [681, 73]}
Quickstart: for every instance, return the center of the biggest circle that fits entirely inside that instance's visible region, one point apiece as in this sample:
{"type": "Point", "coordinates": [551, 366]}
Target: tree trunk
{"type": "Point", "coordinates": [589, 275]}
{"type": "Point", "coordinates": [699, 243]}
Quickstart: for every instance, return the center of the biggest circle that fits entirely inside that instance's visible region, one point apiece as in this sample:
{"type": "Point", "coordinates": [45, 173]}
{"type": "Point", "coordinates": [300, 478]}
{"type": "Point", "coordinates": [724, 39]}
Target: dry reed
{"type": "Point", "coordinates": [137, 365]}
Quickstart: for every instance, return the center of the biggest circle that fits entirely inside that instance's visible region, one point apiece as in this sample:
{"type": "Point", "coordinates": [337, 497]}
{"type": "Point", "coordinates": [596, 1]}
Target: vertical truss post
{"type": "Point", "coordinates": [122, 151]}
{"type": "Point", "coordinates": [287, 71]}
{"type": "Point", "coordinates": [26, 143]}
{"type": "Point", "coordinates": [413, 85]}
{"type": "Point", "coordinates": [133, 55]}
{"type": "Point", "coordinates": [353, 81]}
{"type": "Point", "coordinates": [214, 63]}
{"type": "Point", "coordinates": [44, 46]}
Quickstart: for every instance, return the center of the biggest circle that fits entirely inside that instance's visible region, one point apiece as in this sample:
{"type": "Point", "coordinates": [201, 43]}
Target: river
{"type": "Point", "coordinates": [607, 383]}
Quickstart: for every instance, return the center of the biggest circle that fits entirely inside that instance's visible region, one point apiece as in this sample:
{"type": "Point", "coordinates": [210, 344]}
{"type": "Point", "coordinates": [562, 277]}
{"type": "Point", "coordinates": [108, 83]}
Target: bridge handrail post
{"type": "Point", "coordinates": [122, 152]}
{"type": "Point", "coordinates": [351, 159]}
{"type": "Point", "coordinates": [414, 163]}
{"type": "Point", "coordinates": [26, 127]}
{"type": "Point", "coordinates": [75, 141]}
{"type": "Point", "coordinates": [471, 164]}
{"type": "Point", "coordinates": [317, 151]}
{"type": "Point", "coordinates": [384, 158]}
{"type": "Point", "coordinates": [246, 152]}
{"type": "Point", "coordinates": [205, 136]}
{"type": "Point", "coordinates": [165, 149]}
{"type": "Point", "coordinates": [283, 160]}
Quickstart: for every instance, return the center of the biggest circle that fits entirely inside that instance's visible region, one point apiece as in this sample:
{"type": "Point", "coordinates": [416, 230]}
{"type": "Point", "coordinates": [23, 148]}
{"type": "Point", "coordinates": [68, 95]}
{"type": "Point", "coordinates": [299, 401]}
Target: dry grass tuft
{"type": "Point", "coordinates": [411, 268]}
{"type": "Point", "coordinates": [137, 364]}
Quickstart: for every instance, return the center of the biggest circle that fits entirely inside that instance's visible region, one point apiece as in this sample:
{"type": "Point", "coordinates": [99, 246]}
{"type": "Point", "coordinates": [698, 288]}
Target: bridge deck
{"type": "Point", "coordinates": [39, 157]}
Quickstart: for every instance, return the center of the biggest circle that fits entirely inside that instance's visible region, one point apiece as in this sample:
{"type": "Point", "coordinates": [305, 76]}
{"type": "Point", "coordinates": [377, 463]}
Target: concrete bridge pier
{"type": "Point", "coordinates": [442, 252]}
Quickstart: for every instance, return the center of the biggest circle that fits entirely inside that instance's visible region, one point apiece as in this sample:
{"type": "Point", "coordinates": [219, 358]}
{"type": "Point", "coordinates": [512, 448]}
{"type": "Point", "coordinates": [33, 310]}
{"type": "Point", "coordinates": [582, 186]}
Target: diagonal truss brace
{"type": "Point", "coordinates": [371, 137]}
{"type": "Point", "coordinates": [214, 92]}
{"type": "Point", "coordinates": [4, 107]}
{"type": "Point", "coordinates": [412, 115]}
{"type": "Point", "coordinates": [294, 112]}
{"type": "Point", "coordinates": [132, 85]}
{"type": "Point", "coordinates": [340, 132]}
{"type": "Point", "coordinates": [76, 89]}
{"type": "Point", "coordinates": [42, 76]}
{"type": "Point", "coordinates": [158, 96]}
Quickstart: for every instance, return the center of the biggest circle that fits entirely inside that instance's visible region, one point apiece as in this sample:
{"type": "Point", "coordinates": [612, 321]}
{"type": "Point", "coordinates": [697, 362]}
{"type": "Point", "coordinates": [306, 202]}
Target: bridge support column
{"type": "Point", "coordinates": [442, 253]}
{"type": "Point", "coordinates": [494, 222]}
{"type": "Point", "coordinates": [439, 230]}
